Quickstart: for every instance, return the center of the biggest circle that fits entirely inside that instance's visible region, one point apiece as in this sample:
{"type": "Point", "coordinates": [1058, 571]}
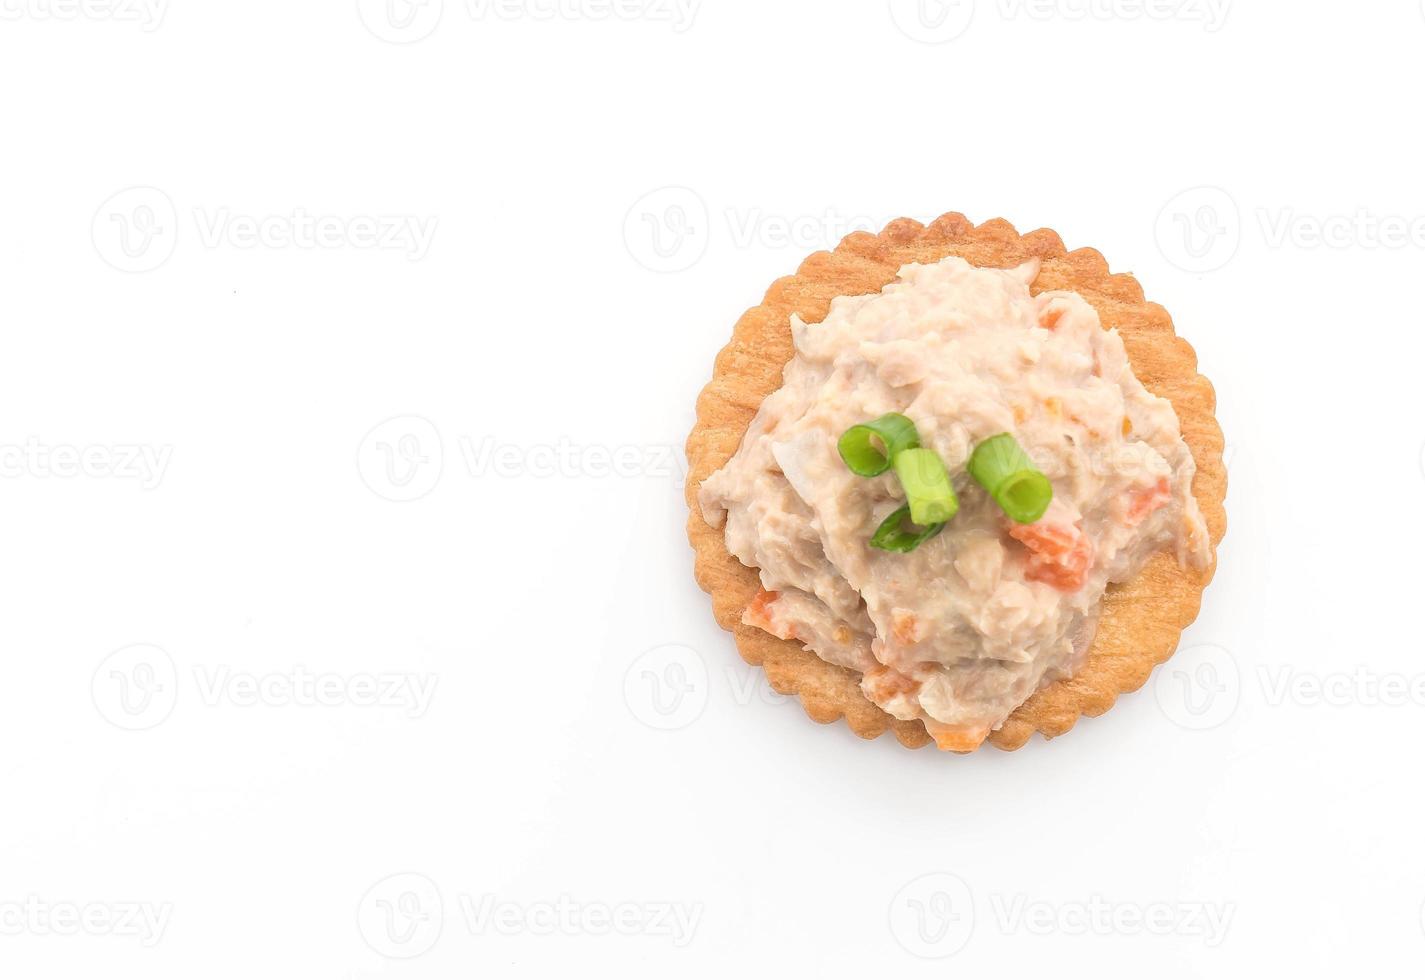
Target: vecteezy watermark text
{"type": "Point", "coordinates": [300, 687]}
{"type": "Point", "coordinates": [567, 916]}
{"type": "Point", "coordinates": [1362, 687]}
{"type": "Point", "coordinates": [678, 14]}
{"type": "Point", "coordinates": [934, 916]}
{"type": "Point", "coordinates": [147, 14]}
{"type": "Point", "coordinates": [1097, 916]}
{"type": "Point", "coordinates": [1203, 687]}
{"type": "Point", "coordinates": [138, 230]}
{"type": "Point", "coordinates": [1360, 229]}
{"type": "Point", "coordinates": [1201, 229]}
{"type": "Point", "coordinates": [403, 459]}
{"type": "Point", "coordinates": [408, 21]}
{"type": "Point", "coordinates": [409, 234]}
{"type": "Point", "coordinates": [36, 916]}
{"type": "Point", "coordinates": [565, 458]}
{"type": "Point", "coordinates": [941, 21]}
{"type": "Point", "coordinates": [1211, 14]}
{"type": "Point", "coordinates": [37, 460]}
{"type": "Point", "coordinates": [137, 687]}
{"type": "Point", "coordinates": [403, 916]}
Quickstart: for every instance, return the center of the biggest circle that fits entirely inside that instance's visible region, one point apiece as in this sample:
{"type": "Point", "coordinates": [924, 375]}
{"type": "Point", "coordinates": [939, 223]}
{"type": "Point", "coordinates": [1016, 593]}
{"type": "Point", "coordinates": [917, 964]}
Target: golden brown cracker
{"type": "Point", "coordinates": [1142, 619]}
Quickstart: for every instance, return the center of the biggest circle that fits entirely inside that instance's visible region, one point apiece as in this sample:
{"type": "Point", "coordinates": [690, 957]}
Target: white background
{"type": "Point", "coordinates": [591, 760]}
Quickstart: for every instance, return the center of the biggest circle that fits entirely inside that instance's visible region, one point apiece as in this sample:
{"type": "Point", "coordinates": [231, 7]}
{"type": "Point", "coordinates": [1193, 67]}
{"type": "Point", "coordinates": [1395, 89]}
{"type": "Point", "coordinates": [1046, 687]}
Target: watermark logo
{"type": "Point", "coordinates": [148, 14]}
{"type": "Point", "coordinates": [667, 687]}
{"type": "Point", "coordinates": [932, 21]}
{"type": "Point", "coordinates": [402, 916]}
{"type": "Point", "coordinates": [401, 459]}
{"type": "Point", "coordinates": [933, 916]}
{"type": "Point", "coordinates": [136, 687]}
{"type": "Point", "coordinates": [401, 21]}
{"type": "Point", "coordinates": [1200, 229]}
{"type": "Point", "coordinates": [136, 230]}
{"type": "Point", "coordinates": [1200, 687]}
{"type": "Point", "coordinates": [667, 230]}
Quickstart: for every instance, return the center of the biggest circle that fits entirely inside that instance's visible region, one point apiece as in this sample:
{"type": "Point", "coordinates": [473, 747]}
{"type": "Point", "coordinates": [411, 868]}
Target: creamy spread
{"type": "Point", "coordinates": [959, 632]}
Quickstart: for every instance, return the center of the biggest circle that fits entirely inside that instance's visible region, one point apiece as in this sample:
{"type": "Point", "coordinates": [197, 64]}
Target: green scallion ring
{"type": "Point", "coordinates": [927, 486]}
{"type": "Point", "coordinates": [896, 434]}
{"type": "Point", "coordinates": [892, 535]}
{"type": "Point", "coordinates": [1009, 476]}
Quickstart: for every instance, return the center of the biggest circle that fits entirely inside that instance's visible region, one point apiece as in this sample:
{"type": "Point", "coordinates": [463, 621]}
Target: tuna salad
{"type": "Point", "coordinates": [965, 620]}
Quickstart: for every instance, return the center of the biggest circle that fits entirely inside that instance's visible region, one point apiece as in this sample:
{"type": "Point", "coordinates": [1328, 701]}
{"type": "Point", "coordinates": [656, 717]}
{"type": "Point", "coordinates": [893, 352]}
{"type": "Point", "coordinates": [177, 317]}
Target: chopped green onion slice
{"type": "Point", "coordinates": [893, 536]}
{"type": "Point", "coordinates": [896, 434]}
{"type": "Point", "coordinates": [1009, 476]}
{"type": "Point", "coordinates": [927, 486]}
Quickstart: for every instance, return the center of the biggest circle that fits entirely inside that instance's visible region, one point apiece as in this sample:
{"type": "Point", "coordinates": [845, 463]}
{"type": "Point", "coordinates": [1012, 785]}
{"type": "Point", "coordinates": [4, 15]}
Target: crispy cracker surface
{"type": "Point", "coordinates": [1142, 619]}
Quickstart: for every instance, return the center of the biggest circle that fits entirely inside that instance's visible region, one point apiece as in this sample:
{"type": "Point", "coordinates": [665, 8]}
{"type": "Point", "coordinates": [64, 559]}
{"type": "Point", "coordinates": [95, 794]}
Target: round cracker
{"type": "Point", "coordinates": [1142, 619]}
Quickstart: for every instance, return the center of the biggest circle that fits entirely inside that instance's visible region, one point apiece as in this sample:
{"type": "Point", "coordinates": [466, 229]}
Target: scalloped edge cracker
{"type": "Point", "coordinates": [1142, 619]}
